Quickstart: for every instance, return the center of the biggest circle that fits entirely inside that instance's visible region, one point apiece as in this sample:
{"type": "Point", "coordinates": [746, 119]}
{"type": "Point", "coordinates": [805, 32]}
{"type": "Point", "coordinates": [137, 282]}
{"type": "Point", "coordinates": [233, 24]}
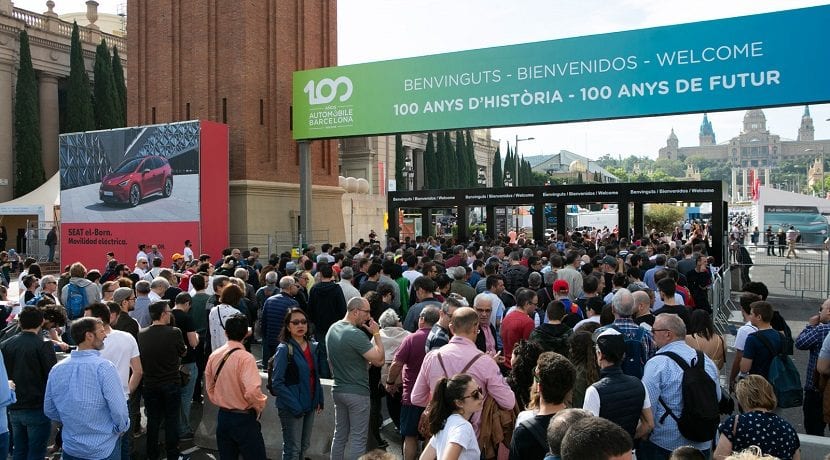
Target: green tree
{"type": "Point", "coordinates": [440, 161]}
{"type": "Point", "coordinates": [28, 165]}
{"type": "Point", "coordinates": [120, 84]}
{"type": "Point", "coordinates": [79, 112]}
{"type": "Point", "coordinates": [472, 166]}
{"type": "Point", "coordinates": [672, 168]}
{"type": "Point", "coordinates": [462, 173]}
{"type": "Point", "coordinates": [400, 162]}
{"type": "Point", "coordinates": [508, 167]}
{"type": "Point", "coordinates": [663, 217]}
{"type": "Point", "coordinates": [451, 168]}
{"type": "Point", "coordinates": [107, 114]}
{"type": "Point", "coordinates": [429, 163]}
{"type": "Point", "coordinates": [498, 178]}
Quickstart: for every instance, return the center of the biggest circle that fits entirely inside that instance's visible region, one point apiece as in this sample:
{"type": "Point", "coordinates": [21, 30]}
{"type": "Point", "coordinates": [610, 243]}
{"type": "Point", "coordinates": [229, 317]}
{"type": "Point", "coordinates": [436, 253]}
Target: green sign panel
{"type": "Point", "coordinates": [763, 60]}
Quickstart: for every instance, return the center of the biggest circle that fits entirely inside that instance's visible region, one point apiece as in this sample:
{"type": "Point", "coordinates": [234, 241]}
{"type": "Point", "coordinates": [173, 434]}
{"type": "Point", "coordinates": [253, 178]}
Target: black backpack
{"type": "Point", "coordinates": [292, 376]}
{"type": "Point", "coordinates": [701, 416]}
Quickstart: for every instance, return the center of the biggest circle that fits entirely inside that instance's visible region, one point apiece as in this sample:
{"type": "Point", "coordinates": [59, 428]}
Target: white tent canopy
{"type": "Point", "coordinates": [40, 201]}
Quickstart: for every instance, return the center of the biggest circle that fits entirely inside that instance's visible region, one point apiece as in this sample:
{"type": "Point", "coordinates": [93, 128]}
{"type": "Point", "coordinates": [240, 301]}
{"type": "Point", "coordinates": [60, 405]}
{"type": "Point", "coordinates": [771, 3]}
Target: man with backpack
{"type": "Point", "coordinates": [682, 385]}
{"type": "Point", "coordinates": [79, 292]}
{"type": "Point", "coordinates": [618, 397]}
{"type": "Point", "coordinates": [639, 344]}
{"type": "Point", "coordinates": [553, 335]}
{"type": "Point", "coordinates": [762, 345]}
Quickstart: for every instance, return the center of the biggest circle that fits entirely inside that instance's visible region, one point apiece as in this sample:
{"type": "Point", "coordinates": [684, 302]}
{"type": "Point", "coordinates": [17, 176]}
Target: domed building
{"type": "Point", "coordinates": [753, 152]}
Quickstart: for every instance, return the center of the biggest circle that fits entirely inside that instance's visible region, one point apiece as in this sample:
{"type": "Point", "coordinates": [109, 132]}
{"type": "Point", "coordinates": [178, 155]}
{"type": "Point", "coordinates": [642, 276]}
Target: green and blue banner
{"type": "Point", "coordinates": [763, 60]}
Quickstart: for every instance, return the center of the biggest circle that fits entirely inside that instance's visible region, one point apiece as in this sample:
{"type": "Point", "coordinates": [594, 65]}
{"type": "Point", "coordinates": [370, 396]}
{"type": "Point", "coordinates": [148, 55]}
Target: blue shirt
{"type": "Point", "coordinates": [664, 379]}
{"type": "Point", "coordinates": [811, 339]}
{"type": "Point", "coordinates": [84, 393]}
{"type": "Point", "coordinates": [7, 396]}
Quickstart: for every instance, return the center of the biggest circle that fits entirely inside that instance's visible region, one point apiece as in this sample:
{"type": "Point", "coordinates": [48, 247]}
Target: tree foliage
{"type": "Point", "coordinates": [461, 170]}
{"type": "Point", "coordinates": [107, 113]}
{"type": "Point", "coordinates": [451, 165]}
{"type": "Point", "coordinates": [400, 163]}
{"type": "Point", "coordinates": [28, 165]}
{"type": "Point", "coordinates": [429, 163]}
{"type": "Point", "coordinates": [79, 113]}
{"type": "Point", "coordinates": [498, 177]}
{"type": "Point", "coordinates": [472, 166]}
{"type": "Point", "coordinates": [663, 217]}
{"type": "Point", "coordinates": [120, 84]}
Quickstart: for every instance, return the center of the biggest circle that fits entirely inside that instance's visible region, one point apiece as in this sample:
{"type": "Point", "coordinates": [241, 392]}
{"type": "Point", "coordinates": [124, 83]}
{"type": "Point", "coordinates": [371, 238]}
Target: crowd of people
{"type": "Point", "coordinates": [578, 348]}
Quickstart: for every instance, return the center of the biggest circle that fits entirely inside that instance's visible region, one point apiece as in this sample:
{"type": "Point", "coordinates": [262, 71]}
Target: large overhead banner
{"type": "Point", "coordinates": [729, 64]}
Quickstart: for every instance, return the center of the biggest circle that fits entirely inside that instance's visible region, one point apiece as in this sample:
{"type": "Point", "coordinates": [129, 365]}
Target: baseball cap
{"type": "Point", "coordinates": [609, 260]}
{"type": "Point", "coordinates": [560, 286]}
{"type": "Point", "coordinates": [177, 256]}
{"type": "Point", "coordinates": [611, 344]}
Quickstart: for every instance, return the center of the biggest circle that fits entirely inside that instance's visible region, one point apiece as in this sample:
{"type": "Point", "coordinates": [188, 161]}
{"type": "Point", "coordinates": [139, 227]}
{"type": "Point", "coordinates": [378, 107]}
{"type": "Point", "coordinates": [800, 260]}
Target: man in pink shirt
{"type": "Point", "coordinates": [457, 355]}
{"type": "Point", "coordinates": [518, 325]}
{"type": "Point", "coordinates": [408, 358]}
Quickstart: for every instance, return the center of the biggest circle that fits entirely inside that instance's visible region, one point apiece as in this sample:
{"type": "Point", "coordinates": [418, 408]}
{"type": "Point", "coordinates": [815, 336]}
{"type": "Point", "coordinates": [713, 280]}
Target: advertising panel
{"type": "Point", "coordinates": [726, 64]}
{"type": "Point", "coordinates": [140, 185]}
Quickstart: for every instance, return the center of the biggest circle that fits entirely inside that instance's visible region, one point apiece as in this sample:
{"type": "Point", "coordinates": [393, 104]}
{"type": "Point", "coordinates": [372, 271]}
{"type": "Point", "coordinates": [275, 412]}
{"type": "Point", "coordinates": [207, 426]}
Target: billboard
{"type": "Point", "coordinates": [725, 64]}
{"type": "Point", "coordinates": [158, 184]}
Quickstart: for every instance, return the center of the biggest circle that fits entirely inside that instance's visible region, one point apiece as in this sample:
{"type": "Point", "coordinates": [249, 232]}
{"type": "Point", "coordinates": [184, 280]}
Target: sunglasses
{"type": "Point", "coordinates": [476, 394]}
{"type": "Point", "coordinates": [297, 322]}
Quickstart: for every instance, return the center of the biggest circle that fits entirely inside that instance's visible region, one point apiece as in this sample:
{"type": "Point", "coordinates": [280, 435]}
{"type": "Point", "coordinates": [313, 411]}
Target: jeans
{"type": "Point", "coordinates": [4, 445]}
{"type": "Point", "coordinates": [162, 403]}
{"type": "Point", "coordinates": [813, 417]}
{"type": "Point", "coordinates": [125, 445]}
{"type": "Point", "coordinates": [239, 434]}
{"type": "Point", "coordinates": [351, 423]}
{"type": "Point", "coordinates": [296, 434]}
{"type": "Point", "coordinates": [51, 253]}
{"type": "Point", "coordinates": [187, 400]}
{"type": "Point", "coordinates": [201, 361]}
{"type": "Point", "coordinates": [134, 407]}
{"type": "Point", "coordinates": [31, 430]}
{"type": "Point", "coordinates": [115, 455]}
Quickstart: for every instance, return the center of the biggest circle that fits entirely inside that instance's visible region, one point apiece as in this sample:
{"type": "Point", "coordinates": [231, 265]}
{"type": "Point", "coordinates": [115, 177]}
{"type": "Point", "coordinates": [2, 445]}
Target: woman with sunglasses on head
{"type": "Point", "coordinates": [296, 382]}
{"type": "Point", "coordinates": [454, 401]}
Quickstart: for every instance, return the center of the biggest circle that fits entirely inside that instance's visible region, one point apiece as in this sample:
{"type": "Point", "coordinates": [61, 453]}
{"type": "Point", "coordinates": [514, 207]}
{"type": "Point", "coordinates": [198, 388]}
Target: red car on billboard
{"type": "Point", "coordinates": [137, 178]}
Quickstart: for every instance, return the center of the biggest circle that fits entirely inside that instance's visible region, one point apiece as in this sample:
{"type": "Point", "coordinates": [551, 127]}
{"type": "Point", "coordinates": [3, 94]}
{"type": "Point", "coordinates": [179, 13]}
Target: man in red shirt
{"type": "Point", "coordinates": [518, 324]}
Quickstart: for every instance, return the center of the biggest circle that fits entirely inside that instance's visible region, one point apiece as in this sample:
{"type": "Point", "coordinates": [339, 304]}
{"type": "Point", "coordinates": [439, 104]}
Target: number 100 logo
{"type": "Point", "coordinates": [324, 91]}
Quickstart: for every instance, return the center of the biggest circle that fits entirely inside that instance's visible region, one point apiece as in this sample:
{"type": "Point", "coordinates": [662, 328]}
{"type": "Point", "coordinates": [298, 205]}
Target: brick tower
{"type": "Point", "coordinates": [232, 62]}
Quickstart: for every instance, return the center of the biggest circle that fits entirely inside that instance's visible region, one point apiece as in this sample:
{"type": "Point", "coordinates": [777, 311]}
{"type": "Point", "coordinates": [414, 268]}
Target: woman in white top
{"type": "Point", "coordinates": [454, 401]}
{"type": "Point", "coordinates": [231, 295]}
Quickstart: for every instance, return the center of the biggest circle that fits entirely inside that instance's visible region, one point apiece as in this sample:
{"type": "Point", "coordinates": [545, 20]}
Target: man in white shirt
{"type": "Point", "coordinates": [740, 337]}
{"type": "Point", "coordinates": [141, 253]}
{"type": "Point", "coordinates": [188, 251]}
{"type": "Point", "coordinates": [158, 287]}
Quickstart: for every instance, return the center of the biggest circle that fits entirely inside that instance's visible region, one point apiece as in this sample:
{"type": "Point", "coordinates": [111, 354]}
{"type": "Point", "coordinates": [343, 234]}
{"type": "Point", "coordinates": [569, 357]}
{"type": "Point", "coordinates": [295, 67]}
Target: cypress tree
{"type": "Point", "coordinates": [400, 162]}
{"type": "Point", "coordinates": [508, 166]}
{"type": "Point", "coordinates": [120, 85]}
{"type": "Point", "coordinates": [451, 166]}
{"type": "Point", "coordinates": [429, 163]}
{"type": "Point", "coordinates": [462, 174]}
{"type": "Point", "coordinates": [440, 161]}
{"type": "Point", "coordinates": [107, 115]}
{"type": "Point", "coordinates": [79, 112]}
{"type": "Point", "coordinates": [28, 165]}
{"type": "Point", "coordinates": [497, 179]}
{"type": "Point", "coordinates": [472, 166]}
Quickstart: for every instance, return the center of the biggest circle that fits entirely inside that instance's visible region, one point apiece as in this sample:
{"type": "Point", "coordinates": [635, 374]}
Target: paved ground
{"type": "Point", "coordinates": [82, 204]}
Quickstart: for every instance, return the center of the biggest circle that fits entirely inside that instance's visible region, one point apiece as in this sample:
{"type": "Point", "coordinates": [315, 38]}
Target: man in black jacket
{"type": "Point", "coordinates": [28, 361]}
{"type": "Point", "coordinates": [618, 397]}
{"type": "Point", "coordinates": [326, 306]}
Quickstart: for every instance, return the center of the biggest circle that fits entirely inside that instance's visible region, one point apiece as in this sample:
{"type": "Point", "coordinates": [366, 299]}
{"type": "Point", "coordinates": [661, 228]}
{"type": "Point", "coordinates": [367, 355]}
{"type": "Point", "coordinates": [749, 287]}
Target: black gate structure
{"type": "Point", "coordinates": [561, 196]}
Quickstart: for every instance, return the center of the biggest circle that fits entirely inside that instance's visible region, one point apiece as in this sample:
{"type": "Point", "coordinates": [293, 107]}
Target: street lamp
{"type": "Point", "coordinates": [516, 148]}
{"type": "Point", "coordinates": [508, 181]}
{"type": "Point", "coordinates": [482, 178]}
{"type": "Point", "coordinates": [409, 173]}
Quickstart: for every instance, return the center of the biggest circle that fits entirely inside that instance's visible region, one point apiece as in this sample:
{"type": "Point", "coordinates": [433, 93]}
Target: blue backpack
{"type": "Point", "coordinates": [75, 301]}
{"type": "Point", "coordinates": [634, 362]}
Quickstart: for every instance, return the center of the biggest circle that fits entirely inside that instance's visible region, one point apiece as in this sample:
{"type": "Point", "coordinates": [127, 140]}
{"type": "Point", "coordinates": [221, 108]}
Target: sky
{"type": "Point", "coordinates": [374, 30]}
